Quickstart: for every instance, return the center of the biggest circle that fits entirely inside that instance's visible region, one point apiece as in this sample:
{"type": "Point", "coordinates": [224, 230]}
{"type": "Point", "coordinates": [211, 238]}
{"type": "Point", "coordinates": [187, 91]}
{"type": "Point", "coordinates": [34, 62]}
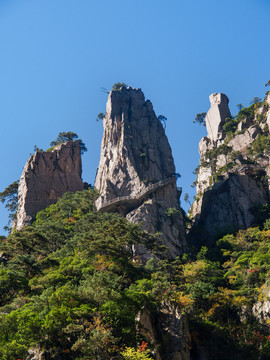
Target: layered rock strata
{"type": "Point", "coordinates": [136, 173]}
{"type": "Point", "coordinates": [45, 178]}
{"type": "Point", "coordinates": [234, 168]}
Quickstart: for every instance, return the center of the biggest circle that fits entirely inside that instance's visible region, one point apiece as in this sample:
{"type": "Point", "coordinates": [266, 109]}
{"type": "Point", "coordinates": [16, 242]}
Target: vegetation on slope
{"type": "Point", "coordinates": [69, 285]}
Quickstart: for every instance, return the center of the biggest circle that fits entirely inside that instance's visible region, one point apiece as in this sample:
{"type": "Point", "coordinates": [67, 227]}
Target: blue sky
{"type": "Point", "coordinates": [57, 54]}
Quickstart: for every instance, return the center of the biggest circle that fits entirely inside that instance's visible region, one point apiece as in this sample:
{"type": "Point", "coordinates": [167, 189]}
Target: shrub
{"type": "Point", "coordinates": [230, 125]}
{"type": "Point", "coordinates": [118, 86]}
{"type": "Point", "coordinates": [172, 212]}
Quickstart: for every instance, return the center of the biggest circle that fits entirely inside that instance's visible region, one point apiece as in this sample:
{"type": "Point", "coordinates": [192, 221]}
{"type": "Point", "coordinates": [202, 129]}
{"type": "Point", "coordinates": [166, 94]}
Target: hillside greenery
{"type": "Point", "coordinates": [71, 286]}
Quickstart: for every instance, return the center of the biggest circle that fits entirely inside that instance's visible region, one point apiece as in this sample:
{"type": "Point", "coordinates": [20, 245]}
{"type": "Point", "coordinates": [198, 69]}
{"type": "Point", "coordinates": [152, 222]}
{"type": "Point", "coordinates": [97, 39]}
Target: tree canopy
{"type": "Point", "coordinates": [71, 286]}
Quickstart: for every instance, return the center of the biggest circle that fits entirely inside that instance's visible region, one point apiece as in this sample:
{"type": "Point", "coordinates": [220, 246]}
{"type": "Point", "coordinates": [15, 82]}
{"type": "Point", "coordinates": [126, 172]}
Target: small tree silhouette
{"type": "Point", "coordinates": [200, 119]}
{"type": "Point", "coordinates": [240, 106]}
{"type": "Point", "coordinates": [163, 120]}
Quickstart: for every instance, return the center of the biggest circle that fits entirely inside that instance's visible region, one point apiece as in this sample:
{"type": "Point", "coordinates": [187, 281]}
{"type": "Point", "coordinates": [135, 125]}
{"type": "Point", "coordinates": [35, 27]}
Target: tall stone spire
{"type": "Point", "coordinates": [136, 173]}
{"type": "Point", "coordinates": [216, 115]}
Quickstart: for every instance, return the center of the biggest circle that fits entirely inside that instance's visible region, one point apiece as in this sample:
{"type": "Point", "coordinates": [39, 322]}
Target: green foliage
{"type": "Point", "coordinates": [10, 197]}
{"type": "Point", "coordinates": [239, 106]}
{"type": "Point", "coordinates": [135, 354]}
{"type": "Point", "coordinates": [259, 145]}
{"type": "Point", "coordinates": [171, 212]}
{"type": "Point", "coordinates": [246, 112]}
{"type": "Point", "coordinates": [36, 149]}
{"type": "Point", "coordinates": [70, 285]}
{"type": "Point", "coordinates": [230, 125]}
{"type": "Point", "coordinates": [255, 100]}
{"type": "Point", "coordinates": [118, 86]}
{"type": "Point", "coordinates": [211, 157]}
{"type": "Point", "coordinates": [67, 136]}
{"type": "Point", "coordinates": [200, 119]}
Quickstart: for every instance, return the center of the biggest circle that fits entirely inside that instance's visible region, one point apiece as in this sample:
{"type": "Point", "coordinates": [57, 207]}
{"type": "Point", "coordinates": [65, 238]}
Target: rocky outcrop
{"type": "Point", "coordinates": [168, 330]}
{"type": "Point", "coordinates": [242, 141]}
{"type": "Point", "coordinates": [217, 115]}
{"type": "Point", "coordinates": [45, 178]}
{"type": "Point", "coordinates": [233, 174]}
{"type": "Point", "coordinates": [36, 353]}
{"type": "Point", "coordinates": [261, 309]}
{"type": "Point", "coordinates": [136, 173]}
{"type": "Point", "coordinates": [268, 112]}
{"type": "Point", "coordinates": [228, 206]}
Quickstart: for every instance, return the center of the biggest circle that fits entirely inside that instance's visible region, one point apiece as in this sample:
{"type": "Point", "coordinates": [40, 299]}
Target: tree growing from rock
{"type": "Point", "coordinates": [200, 119]}
{"type": "Point", "coordinates": [255, 100]}
{"type": "Point", "coordinates": [163, 120]}
{"type": "Point", "coordinates": [10, 197]}
{"type": "Point", "coordinates": [240, 106]}
{"type": "Point", "coordinates": [117, 86]}
{"type": "Point", "coordinates": [68, 136]}
{"type": "Point", "coordinates": [100, 116]}
{"type": "Point", "coordinates": [187, 199]}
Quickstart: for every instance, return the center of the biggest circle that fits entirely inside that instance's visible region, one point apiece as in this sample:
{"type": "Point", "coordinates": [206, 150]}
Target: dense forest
{"type": "Point", "coordinates": [71, 286]}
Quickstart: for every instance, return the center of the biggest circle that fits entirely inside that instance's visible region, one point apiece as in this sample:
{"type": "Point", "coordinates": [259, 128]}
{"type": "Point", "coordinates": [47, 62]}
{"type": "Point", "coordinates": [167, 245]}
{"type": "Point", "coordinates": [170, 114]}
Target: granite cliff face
{"type": "Point", "coordinates": [168, 330]}
{"type": "Point", "coordinates": [234, 168]}
{"type": "Point", "coordinates": [136, 173]}
{"type": "Point", "coordinates": [216, 116]}
{"type": "Point", "coordinates": [45, 178]}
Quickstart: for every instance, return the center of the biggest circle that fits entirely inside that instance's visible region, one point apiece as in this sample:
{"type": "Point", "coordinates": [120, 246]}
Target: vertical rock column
{"type": "Point", "coordinates": [226, 201]}
{"type": "Point", "coordinates": [135, 155]}
{"type": "Point", "coordinates": [45, 178]}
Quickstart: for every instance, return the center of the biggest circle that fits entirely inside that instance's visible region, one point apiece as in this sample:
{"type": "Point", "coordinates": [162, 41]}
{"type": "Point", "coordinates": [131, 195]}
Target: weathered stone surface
{"type": "Point", "coordinates": [168, 330]}
{"type": "Point", "coordinates": [36, 354]}
{"type": "Point", "coordinates": [46, 177]}
{"type": "Point", "coordinates": [231, 181]}
{"type": "Point", "coordinates": [261, 309]}
{"type": "Point", "coordinates": [173, 334]}
{"type": "Point", "coordinates": [135, 154]}
{"type": "Point", "coordinates": [268, 112]}
{"type": "Point", "coordinates": [204, 145]}
{"type": "Point", "coordinates": [242, 141]}
{"type": "Point", "coordinates": [216, 116]}
{"type": "Point", "coordinates": [228, 206]}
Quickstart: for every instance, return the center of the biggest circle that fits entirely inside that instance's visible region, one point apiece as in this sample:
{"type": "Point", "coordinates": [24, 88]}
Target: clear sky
{"type": "Point", "coordinates": [57, 54]}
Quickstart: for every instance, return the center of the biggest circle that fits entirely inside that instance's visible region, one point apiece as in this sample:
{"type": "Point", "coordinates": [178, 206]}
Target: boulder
{"type": "Point", "coordinates": [242, 141]}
